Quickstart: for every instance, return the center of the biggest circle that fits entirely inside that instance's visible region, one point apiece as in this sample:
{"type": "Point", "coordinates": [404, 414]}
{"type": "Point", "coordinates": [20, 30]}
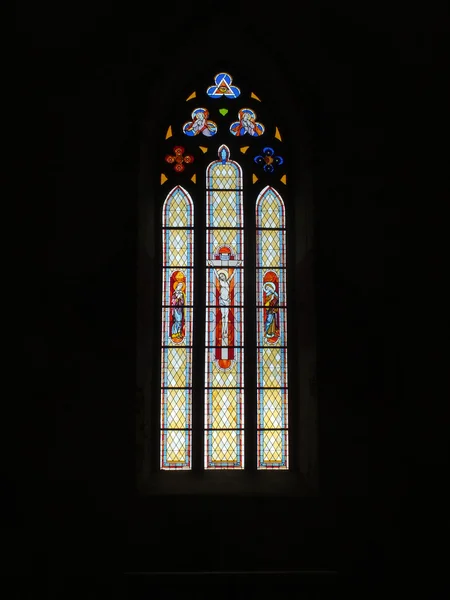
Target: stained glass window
{"type": "Point", "coordinates": [223, 156]}
{"type": "Point", "coordinates": [271, 318]}
{"type": "Point", "coordinates": [224, 355]}
{"type": "Point", "coordinates": [177, 332]}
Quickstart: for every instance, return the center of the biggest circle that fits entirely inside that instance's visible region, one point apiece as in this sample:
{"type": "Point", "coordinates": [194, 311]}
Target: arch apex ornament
{"type": "Point", "coordinates": [223, 87]}
{"type": "Point", "coordinates": [224, 153]}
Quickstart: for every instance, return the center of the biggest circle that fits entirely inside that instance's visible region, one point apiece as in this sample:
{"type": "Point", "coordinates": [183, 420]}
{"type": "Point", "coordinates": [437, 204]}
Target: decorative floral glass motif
{"type": "Point", "coordinates": [268, 159]}
{"type": "Point", "coordinates": [223, 87]}
{"type": "Point", "coordinates": [178, 160]}
{"type": "Point", "coordinates": [247, 124]}
{"type": "Point", "coordinates": [200, 124]}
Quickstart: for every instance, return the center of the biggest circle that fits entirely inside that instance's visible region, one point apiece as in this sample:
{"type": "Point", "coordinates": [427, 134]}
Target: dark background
{"type": "Point", "coordinates": [85, 73]}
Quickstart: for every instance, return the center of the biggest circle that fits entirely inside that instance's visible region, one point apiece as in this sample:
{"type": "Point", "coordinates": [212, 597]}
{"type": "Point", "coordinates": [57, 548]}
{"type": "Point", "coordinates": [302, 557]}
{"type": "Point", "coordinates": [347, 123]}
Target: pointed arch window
{"type": "Point", "coordinates": [224, 346]}
{"type": "Point", "coordinates": [177, 330]}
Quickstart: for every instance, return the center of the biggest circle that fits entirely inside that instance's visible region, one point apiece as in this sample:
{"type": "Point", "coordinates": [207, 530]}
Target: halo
{"type": "Point", "coordinates": [224, 271]}
{"type": "Point", "coordinates": [270, 285]}
{"type": "Point", "coordinates": [197, 111]}
{"type": "Point", "coordinates": [183, 284]}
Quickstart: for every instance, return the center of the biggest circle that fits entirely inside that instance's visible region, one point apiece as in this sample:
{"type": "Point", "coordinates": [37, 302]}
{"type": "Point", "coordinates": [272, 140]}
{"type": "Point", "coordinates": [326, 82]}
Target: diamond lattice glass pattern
{"type": "Point", "coordinates": [178, 247]}
{"type": "Point", "coordinates": [272, 405]}
{"type": "Point", "coordinates": [223, 408]}
{"type": "Point", "coordinates": [176, 412]}
{"type": "Point", "coordinates": [176, 449]}
{"type": "Point", "coordinates": [270, 247]}
{"type": "Point", "coordinates": [224, 449]}
{"type": "Point", "coordinates": [178, 209]}
{"type": "Point", "coordinates": [226, 176]}
{"type": "Point", "coordinates": [176, 367]}
{"type": "Point", "coordinates": [273, 449]}
{"type": "Point", "coordinates": [224, 209]}
{"type": "Point", "coordinates": [272, 367]}
{"type": "Point", "coordinates": [271, 378]}
{"type": "Point", "coordinates": [176, 330]}
{"type": "Point", "coordinates": [270, 209]}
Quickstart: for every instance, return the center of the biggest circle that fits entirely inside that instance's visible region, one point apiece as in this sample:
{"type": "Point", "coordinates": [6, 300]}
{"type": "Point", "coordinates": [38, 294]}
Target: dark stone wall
{"type": "Point", "coordinates": [88, 79]}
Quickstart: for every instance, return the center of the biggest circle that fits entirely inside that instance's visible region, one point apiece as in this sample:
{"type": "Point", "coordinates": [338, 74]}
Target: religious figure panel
{"type": "Point", "coordinates": [224, 315]}
{"type": "Point", "coordinates": [271, 309]}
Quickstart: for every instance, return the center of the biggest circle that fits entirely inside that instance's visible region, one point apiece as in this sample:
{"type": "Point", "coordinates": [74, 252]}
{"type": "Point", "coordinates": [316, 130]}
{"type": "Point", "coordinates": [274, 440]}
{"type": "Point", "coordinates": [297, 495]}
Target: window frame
{"type": "Point", "coordinates": [249, 480]}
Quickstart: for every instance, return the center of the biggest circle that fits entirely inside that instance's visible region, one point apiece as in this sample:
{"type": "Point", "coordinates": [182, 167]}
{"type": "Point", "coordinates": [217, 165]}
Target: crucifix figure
{"type": "Point", "coordinates": [224, 298]}
{"type": "Point", "coordinates": [223, 280]}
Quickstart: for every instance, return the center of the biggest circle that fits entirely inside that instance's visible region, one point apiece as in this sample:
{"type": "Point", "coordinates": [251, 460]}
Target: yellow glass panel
{"type": "Point", "coordinates": [194, 178]}
{"type": "Point", "coordinates": [252, 95]}
{"type": "Point", "coordinates": [176, 246]}
{"type": "Point", "coordinates": [273, 449]}
{"type": "Point", "coordinates": [203, 149]}
{"type": "Point", "coordinates": [177, 369]}
{"type": "Point", "coordinates": [192, 96]}
{"type": "Point", "coordinates": [277, 134]}
{"type": "Point", "coordinates": [176, 211]}
{"type": "Point", "coordinates": [255, 179]}
{"type": "Point", "coordinates": [273, 373]}
{"type": "Point", "coordinates": [283, 179]}
{"type": "Point", "coordinates": [224, 446]}
{"type": "Point", "coordinates": [273, 409]}
{"type": "Point", "coordinates": [224, 176]}
{"type": "Point", "coordinates": [270, 247]}
{"type": "Point", "coordinates": [169, 132]}
{"type": "Point", "coordinates": [223, 237]}
{"type": "Point", "coordinates": [163, 178]}
{"type": "Point", "coordinates": [176, 446]}
{"type": "Point", "coordinates": [270, 214]}
{"type": "Point", "coordinates": [244, 149]}
{"type": "Point", "coordinates": [224, 408]}
{"type": "Point", "coordinates": [223, 208]}
{"type": "Point", "coordinates": [175, 409]}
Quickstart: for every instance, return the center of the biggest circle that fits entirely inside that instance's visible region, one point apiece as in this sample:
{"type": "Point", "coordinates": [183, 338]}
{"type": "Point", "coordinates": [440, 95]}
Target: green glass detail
{"type": "Point", "coordinates": [223, 111]}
